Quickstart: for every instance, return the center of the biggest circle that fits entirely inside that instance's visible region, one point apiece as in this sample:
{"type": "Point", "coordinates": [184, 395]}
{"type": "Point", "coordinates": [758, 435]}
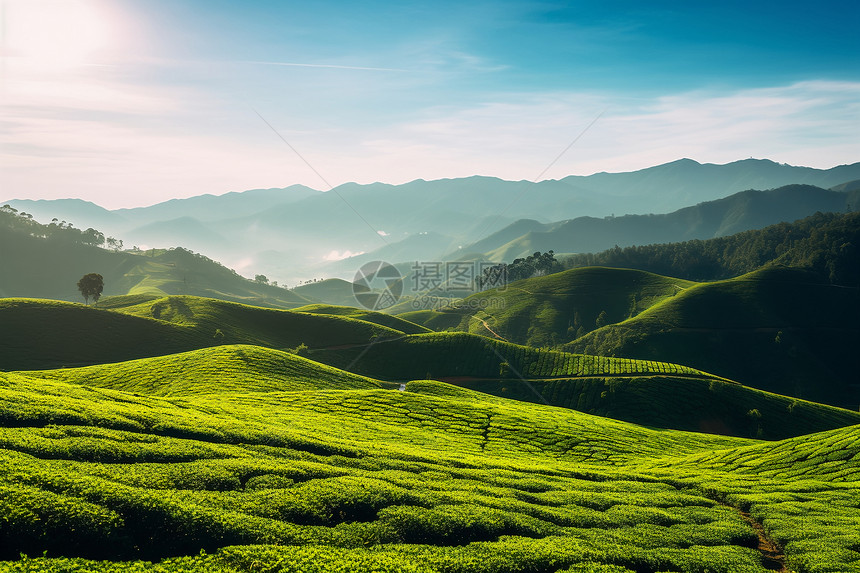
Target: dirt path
{"type": "Point", "coordinates": [772, 556]}
{"type": "Point", "coordinates": [487, 326]}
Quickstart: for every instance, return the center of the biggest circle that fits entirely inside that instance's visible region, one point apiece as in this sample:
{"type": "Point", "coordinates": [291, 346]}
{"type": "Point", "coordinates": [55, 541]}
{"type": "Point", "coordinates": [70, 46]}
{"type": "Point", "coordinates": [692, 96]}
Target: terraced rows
{"type": "Point", "coordinates": [692, 404]}
{"type": "Point", "coordinates": [461, 354]}
{"type": "Point", "coordinates": [437, 478]}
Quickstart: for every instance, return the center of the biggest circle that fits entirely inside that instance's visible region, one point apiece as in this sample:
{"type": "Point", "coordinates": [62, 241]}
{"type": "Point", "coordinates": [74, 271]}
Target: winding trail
{"type": "Point", "coordinates": [772, 555]}
{"type": "Point", "coordinates": [487, 326]}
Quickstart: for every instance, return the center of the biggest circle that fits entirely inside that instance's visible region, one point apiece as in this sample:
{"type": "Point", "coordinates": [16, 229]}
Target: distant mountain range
{"type": "Point", "coordinates": [739, 212]}
{"type": "Point", "coordinates": [299, 233]}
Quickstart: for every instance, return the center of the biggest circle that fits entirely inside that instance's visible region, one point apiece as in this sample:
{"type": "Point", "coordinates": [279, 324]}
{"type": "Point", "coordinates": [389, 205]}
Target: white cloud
{"type": "Point", "coordinates": [96, 133]}
{"type": "Point", "coordinates": [809, 123]}
{"type": "Point", "coordinates": [339, 256]}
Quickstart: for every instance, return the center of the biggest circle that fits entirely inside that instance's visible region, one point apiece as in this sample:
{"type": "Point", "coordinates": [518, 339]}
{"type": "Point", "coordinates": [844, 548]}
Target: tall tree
{"type": "Point", "coordinates": [91, 285]}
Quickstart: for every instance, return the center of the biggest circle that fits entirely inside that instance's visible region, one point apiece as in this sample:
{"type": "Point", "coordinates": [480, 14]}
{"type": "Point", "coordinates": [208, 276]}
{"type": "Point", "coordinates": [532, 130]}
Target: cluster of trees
{"type": "Point", "coordinates": [535, 265]}
{"type": "Point", "coordinates": [18, 221]}
{"type": "Point", "coordinates": [828, 243]}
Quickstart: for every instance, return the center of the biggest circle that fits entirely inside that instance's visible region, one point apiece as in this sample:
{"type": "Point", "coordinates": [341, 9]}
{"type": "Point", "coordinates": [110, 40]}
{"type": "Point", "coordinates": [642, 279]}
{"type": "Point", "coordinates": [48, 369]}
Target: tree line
{"type": "Point", "coordinates": [534, 265]}
{"type": "Point", "coordinates": [19, 221]}
{"type": "Point", "coordinates": [828, 243]}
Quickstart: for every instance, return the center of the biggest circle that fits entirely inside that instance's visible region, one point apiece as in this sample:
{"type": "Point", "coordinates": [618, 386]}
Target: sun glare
{"type": "Point", "coordinates": [52, 31]}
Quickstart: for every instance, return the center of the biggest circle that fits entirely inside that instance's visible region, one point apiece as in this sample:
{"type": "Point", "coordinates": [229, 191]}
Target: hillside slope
{"type": "Point", "coordinates": [782, 330]}
{"type": "Point", "coordinates": [554, 309]}
{"type": "Point", "coordinates": [395, 322]}
{"type": "Point", "coordinates": [233, 368]}
{"type": "Point", "coordinates": [680, 403]}
{"type": "Point", "coordinates": [38, 262]}
{"type": "Point", "coordinates": [824, 242]}
{"type": "Point", "coordinates": [429, 480]}
{"type": "Point", "coordinates": [40, 334]}
{"type": "Point", "coordinates": [739, 212]}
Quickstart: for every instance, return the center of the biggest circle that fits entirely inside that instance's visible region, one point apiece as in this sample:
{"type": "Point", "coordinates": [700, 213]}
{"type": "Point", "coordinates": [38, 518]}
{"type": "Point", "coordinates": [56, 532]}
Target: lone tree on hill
{"type": "Point", "coordinates": [91, 285]}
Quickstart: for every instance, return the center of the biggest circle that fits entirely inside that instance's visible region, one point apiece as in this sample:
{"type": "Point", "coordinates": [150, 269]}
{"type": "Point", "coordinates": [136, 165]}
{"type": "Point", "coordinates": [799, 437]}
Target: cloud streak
{"type": "Point", "coordinates": [119, 144]}
{"type": "Point", "coordinates": [326, 66]}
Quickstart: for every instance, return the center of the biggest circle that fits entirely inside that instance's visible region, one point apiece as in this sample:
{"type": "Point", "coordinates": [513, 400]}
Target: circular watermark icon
{"type": "Point", "coordinates": [377, 285]}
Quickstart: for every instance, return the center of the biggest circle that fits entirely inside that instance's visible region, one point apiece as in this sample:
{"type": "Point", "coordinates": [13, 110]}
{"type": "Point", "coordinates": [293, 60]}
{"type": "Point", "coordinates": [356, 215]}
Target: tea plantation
{"type": "Point", "coordinates": [237, 456]}
{"type": "Point", "coordinates": [135, 466]}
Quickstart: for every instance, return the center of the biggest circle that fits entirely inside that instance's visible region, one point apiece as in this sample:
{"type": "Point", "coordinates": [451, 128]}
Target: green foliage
{"type": "Point", "coordinates": [45, 261]}
{"type": "Point", "coordinates": [91, 286]}
{"type": "Point", "coordinates": [536, 264]}
{"type": "Point", "coordinates": [222, 368]}
{"type": "Point", "coordinates": [825, 242]}
{"type": "Point", "coordinates": [692, 404]}
{"type": "Point", "coordinates": [457, 356]}
{"type": "Point", "coordinates": [79, 335]}
{"type": "Point", "coordinates": [434, 479]}
{"type": "Point", "coordinates": [240, 457]}
{"type": "Point", "coordinates": [554, 309]}
{"type": "Point", "coordinates": [729, 328]}
{"type": "Point", "coordinates": [396, 322]}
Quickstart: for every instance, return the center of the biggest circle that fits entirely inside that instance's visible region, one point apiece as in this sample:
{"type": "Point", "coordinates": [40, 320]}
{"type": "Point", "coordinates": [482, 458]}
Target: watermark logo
{"type": "Point", "coordinates": [432, 284]}
{"type": "Point", "coordinates": [377, 285]}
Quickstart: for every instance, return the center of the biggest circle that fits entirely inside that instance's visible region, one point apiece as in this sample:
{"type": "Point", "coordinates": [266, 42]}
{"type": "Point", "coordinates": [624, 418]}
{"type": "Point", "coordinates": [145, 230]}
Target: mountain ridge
{"type": "Point", "coordinates": [288, 225]}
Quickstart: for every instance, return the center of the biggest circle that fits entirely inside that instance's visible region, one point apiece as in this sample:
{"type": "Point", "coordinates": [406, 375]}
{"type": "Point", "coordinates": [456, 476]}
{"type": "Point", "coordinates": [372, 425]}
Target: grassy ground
{"type": "Point", "coordinates": [395, 322]}
{"type": "Point", "coordinates": [458, 354]}
{"type": "Point", "coordinates": [781, 330]}
{"type": "Point", "coordinates": [40, 334]}
{"type": "Point", "coordinates": [236, 368]}
{"type": "Point", "coordinates": [437, 478]}
{"type": "Point", "coordinates": [237, 457]}
{"type": "Point", "coordinates": [692, 404]}
{"type": "Point", "coordinates": [554, 309]}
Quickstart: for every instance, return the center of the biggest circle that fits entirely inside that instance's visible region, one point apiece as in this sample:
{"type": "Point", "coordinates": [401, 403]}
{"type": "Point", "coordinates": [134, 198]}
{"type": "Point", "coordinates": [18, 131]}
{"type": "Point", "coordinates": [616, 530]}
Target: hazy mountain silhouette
{"type": "Point", "coordinates": [739, 212]}
{"type": "Point", "coordinates": [291, 232]}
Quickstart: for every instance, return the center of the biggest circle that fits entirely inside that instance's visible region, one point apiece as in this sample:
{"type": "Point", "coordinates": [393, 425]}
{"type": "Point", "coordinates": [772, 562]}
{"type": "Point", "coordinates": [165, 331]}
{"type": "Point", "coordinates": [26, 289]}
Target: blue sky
{"type": "Point", "coordinates": [130, 102]}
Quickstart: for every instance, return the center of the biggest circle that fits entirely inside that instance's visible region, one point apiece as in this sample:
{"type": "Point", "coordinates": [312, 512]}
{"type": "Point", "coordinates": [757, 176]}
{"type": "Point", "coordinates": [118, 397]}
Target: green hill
{"type": "Point", "coordinates": [329, 291]}
{"type": "Point", "coordinates": [717, 218]}
{"type": "Point", "coordinates": [644, 392]}
{"type": "Point", "coordinates": [395, 322]}
{"type": "Point", "coordinates": [557, 308]}
{"type": "Point", "coordinates": [40, 334]}
{"type": "Point", "coordinates": [46, 261]}
{"type": "Point", "coordinates": [677, 402]}
{"type": "Point", "coordinates": [781, 330]}
{"type": "Point", "coordinates": [49, 334]}
{"type": "Point", "coordinates": [231, 368]}
{"type": "Point", "coordinates": [450, 355]}
{"type": "Point", "coordinates": [434, 479]}
{"type": "Point", "coordinates": [243, 324]}
{"type": "Point", "coordinates": [822, 242]}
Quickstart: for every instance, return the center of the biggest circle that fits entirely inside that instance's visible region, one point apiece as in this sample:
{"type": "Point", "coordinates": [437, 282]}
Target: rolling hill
{"type": "Point", "coordinates": [433, 479]}
{"type": "Point", "coordinates": [233, 368]}
{"type": "Point", "coordinates": [552, 309]}
{"type": "Point", "coordinates": [783, 330]}
{"type": "Point", "coordinates": [39, 261]}
{"type": "Point", "coordinates": [329, 291]}
{"type": "Point", "coordinates": [395, 322]}
{"type": "Point", "coordinates": [739, 212]}
{"type": "Point", "coordinates": [41, 334]}
{"type": "Point", "coordinates": [823, 242]}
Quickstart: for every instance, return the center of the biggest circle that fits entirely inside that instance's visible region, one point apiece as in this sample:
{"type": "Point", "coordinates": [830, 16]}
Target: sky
{"type": "Point", "coordinates": [132, 102]}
